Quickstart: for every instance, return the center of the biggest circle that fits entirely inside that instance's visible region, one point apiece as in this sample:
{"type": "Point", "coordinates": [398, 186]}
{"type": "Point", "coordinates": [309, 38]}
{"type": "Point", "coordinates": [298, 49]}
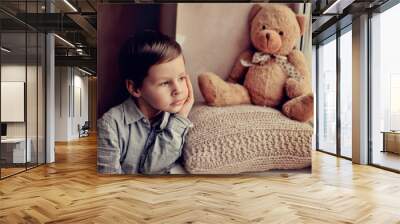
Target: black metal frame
{"type": "Point", "coordinates": [338, 98]}
{"type": "Point", "coordinates": [316, 96]}
{"type": "Point", "coordinates": [369, 104]}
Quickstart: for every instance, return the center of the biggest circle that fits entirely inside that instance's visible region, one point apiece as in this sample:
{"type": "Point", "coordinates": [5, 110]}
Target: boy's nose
{"type": "Point", "coordinates": [177, 89]}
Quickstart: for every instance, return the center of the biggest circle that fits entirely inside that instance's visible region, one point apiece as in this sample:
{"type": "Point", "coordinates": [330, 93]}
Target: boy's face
{"type": "Point", "coordinates": [165, 89]}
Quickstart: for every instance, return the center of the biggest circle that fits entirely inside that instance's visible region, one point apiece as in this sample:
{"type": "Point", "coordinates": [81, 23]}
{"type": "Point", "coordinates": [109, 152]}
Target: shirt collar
{"type": "Point", "coordinates": [133, 114]}
{"type": "Point", "coordinates": [164, 120]}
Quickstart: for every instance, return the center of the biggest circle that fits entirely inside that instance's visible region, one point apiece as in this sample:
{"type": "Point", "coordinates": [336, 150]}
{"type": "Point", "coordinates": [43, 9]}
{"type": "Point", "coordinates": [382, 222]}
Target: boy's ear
{"type": "Point", "coordinates": [130, 86]}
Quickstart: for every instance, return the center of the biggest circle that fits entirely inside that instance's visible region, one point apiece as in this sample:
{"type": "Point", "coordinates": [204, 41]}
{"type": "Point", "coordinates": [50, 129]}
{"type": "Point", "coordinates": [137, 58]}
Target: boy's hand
{"type": "Point", "coordinates": [187, 106]}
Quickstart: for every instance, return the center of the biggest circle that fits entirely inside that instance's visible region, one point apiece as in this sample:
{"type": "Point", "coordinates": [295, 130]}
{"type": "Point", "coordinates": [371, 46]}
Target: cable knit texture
{"type": "Point", "coordinates": [245, 138]}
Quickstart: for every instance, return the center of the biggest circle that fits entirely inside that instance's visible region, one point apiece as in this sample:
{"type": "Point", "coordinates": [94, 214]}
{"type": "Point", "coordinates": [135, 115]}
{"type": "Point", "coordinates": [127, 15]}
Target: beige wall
{"type": "Point", "coordinates": [212, 36]}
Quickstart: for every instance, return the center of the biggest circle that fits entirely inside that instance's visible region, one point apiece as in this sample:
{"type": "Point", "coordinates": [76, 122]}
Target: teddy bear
{"type": "Point", "coordinates": [272, 72]}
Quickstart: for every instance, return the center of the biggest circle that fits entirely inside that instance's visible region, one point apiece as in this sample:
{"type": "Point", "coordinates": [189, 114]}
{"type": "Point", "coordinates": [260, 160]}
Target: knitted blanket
{"type": "Point", "coordinates": [245, 138]}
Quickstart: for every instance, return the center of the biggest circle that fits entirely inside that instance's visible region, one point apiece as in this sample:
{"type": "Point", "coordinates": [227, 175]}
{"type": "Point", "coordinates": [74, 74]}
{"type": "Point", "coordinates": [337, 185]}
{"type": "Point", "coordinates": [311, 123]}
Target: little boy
{"type": "Point", "coordinates": [145, 134]}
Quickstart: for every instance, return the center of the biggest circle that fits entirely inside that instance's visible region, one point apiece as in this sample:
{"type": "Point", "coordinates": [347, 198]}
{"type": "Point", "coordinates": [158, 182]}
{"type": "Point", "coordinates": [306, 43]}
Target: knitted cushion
{"type": "Point", "coordinates": [245, 138]}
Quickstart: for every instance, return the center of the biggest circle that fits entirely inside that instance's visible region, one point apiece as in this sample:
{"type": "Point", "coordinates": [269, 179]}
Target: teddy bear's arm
{"type": "Point", "coordinates": [297, 87]}
{"type": "Point", "coordinates": [238, 70]}
{"type": "Point", "coordinates": [297, 59]}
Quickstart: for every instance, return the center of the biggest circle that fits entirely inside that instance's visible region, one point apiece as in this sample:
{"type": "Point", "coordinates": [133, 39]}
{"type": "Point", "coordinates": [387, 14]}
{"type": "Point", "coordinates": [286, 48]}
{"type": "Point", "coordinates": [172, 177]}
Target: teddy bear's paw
{"type": "Point", "coordinates": [300, 108]}
{"type": "Point", "coordinates": [217, 92]}
{"type": "Point", "coordinates": [296, 58]}
{"type": "Point", "coordinates": [209, 84]}
{"type": "Point", "coordinates": [294, 88]}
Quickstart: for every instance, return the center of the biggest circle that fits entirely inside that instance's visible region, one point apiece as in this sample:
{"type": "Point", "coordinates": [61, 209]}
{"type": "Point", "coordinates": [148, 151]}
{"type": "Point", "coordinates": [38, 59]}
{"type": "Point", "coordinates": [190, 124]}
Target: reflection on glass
{"type": "Point", "coordinates": [14, 147]}
{"type": "Point", "coordinates": [385, 114]}
{"type": "Point", "coordinates": [327, 97]}
{"type": "Point", "coordinates": [346, 94]}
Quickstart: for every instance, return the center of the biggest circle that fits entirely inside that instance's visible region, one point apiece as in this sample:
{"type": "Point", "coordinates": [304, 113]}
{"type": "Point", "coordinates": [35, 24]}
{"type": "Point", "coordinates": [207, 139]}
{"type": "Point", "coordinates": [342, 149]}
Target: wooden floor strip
{"type": "Point", "coordinates": [70, 191]}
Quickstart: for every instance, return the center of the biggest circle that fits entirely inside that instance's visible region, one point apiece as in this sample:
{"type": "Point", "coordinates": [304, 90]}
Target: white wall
{"type": "Point", "coordinates": [33, 127]}
{"type": "Point", "coordinates": [15, 72]}
{"type": "Point", "coordinates": [61, 103]}
{"type": "Point", "coordinates": [80, 84]}
{"type": "Point", "coordinates": [70, 83]}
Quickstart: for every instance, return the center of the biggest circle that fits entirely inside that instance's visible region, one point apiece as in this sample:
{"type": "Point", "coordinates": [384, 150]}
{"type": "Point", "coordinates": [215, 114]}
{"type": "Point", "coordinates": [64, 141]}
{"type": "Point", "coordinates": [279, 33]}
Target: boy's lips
{"type": "Point", "coordinates": [178, 102]}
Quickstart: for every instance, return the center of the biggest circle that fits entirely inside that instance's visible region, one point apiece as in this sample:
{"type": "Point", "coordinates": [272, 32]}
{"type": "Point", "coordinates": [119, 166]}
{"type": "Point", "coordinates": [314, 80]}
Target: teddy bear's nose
{"type": "Point", "coordinates": [267, 35]}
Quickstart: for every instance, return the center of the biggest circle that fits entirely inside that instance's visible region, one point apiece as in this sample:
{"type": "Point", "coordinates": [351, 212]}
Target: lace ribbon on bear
{"type": "Point", "coordinates": [260, 58]}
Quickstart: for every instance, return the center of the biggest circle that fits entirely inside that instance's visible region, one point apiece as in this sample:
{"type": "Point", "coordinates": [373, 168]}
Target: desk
{"type": "Point", "coordinates": [391, 141]}
{"type": "Point", "coordinates": [13, 150]}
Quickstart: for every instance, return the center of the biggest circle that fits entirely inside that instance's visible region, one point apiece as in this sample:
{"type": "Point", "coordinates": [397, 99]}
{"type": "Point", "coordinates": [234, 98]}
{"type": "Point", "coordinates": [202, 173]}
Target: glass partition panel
{"type": "Point", "coordinates": [15, 151]}
{"type": "Point", "coordinates": [346, 94]}
{"type": "Point", "coordinates": [385, 89]}
{"type": "Point", "coordinates": [22, 87]}
{"type": "Point", "coordinates": [327, 97]}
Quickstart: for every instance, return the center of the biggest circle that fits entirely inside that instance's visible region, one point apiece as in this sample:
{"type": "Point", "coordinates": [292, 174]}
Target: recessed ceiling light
{"type": "Point", "coordinates": [64, 40]}
{"type": "Point", "coordinates": [84, 71]}
{"type": "Point", "coordinates": [70, 5]}
{"type": "Point", "coordinates": [5, 49]}
{"type": "Point", "coordinates": [337, 7]}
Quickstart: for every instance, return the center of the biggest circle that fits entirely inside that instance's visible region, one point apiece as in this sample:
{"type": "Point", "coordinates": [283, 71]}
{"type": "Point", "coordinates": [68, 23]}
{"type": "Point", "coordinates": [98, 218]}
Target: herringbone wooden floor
{"type": "Point", "coordinates": [70, 191]}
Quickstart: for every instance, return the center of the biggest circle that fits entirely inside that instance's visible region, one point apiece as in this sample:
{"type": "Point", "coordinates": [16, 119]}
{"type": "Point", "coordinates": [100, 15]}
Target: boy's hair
{"type": "Point", "coordinates": [144, 50]}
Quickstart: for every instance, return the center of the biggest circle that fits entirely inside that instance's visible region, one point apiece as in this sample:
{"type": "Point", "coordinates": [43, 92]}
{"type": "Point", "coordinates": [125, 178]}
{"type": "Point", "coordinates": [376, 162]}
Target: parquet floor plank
{"type": "Point", "coordinates": [70, 191]}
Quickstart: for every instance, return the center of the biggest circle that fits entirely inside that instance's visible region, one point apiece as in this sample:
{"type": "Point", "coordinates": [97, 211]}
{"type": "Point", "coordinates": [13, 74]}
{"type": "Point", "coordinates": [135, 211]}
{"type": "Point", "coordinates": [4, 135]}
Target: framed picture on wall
{"type": "Point", "coordinates": [12, 101]}
{"type": "Point", "coordinates": [184, 93]}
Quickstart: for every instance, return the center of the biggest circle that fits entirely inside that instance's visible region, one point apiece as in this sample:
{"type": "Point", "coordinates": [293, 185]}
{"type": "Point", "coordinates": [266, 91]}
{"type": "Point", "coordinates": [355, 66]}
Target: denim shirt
{"type": "Point", "coordinates": [128, 143]}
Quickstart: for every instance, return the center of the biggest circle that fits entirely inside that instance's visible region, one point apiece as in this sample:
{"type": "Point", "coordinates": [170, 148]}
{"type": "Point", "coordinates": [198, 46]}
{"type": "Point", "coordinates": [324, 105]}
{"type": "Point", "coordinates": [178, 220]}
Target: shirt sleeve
{"type": "Point", "coordinates": [166, 147]}
{"type": "Point", "coordinates": [108, 150]}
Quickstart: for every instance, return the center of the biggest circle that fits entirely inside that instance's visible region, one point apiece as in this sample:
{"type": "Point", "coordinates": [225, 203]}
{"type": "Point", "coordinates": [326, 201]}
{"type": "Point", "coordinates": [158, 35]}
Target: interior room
{"type": "Point", "coordinates": [49, 90]}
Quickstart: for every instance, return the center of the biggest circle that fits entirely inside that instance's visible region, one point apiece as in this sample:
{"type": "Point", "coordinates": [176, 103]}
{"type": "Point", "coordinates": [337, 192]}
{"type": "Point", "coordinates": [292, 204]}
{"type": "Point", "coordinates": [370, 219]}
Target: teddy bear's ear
{"type": "Point", "coordinates": [302, 23]}
{"type": "Point", "coordinates": [253, 12]}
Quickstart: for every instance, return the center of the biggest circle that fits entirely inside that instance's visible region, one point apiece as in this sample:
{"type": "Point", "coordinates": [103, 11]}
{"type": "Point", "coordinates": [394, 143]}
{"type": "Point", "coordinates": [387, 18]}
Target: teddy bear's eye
{"type": "Point", "coordinates": [264, 27]}
{"type": "Point", "coordinates": [281, 33]}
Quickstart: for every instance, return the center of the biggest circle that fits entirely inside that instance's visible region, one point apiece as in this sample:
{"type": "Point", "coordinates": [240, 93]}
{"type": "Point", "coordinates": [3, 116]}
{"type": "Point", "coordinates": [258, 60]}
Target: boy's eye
{"type": "Point", "coordinates": [182, 78]}
{"type": "Point", "coordinates": [164, 83]}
